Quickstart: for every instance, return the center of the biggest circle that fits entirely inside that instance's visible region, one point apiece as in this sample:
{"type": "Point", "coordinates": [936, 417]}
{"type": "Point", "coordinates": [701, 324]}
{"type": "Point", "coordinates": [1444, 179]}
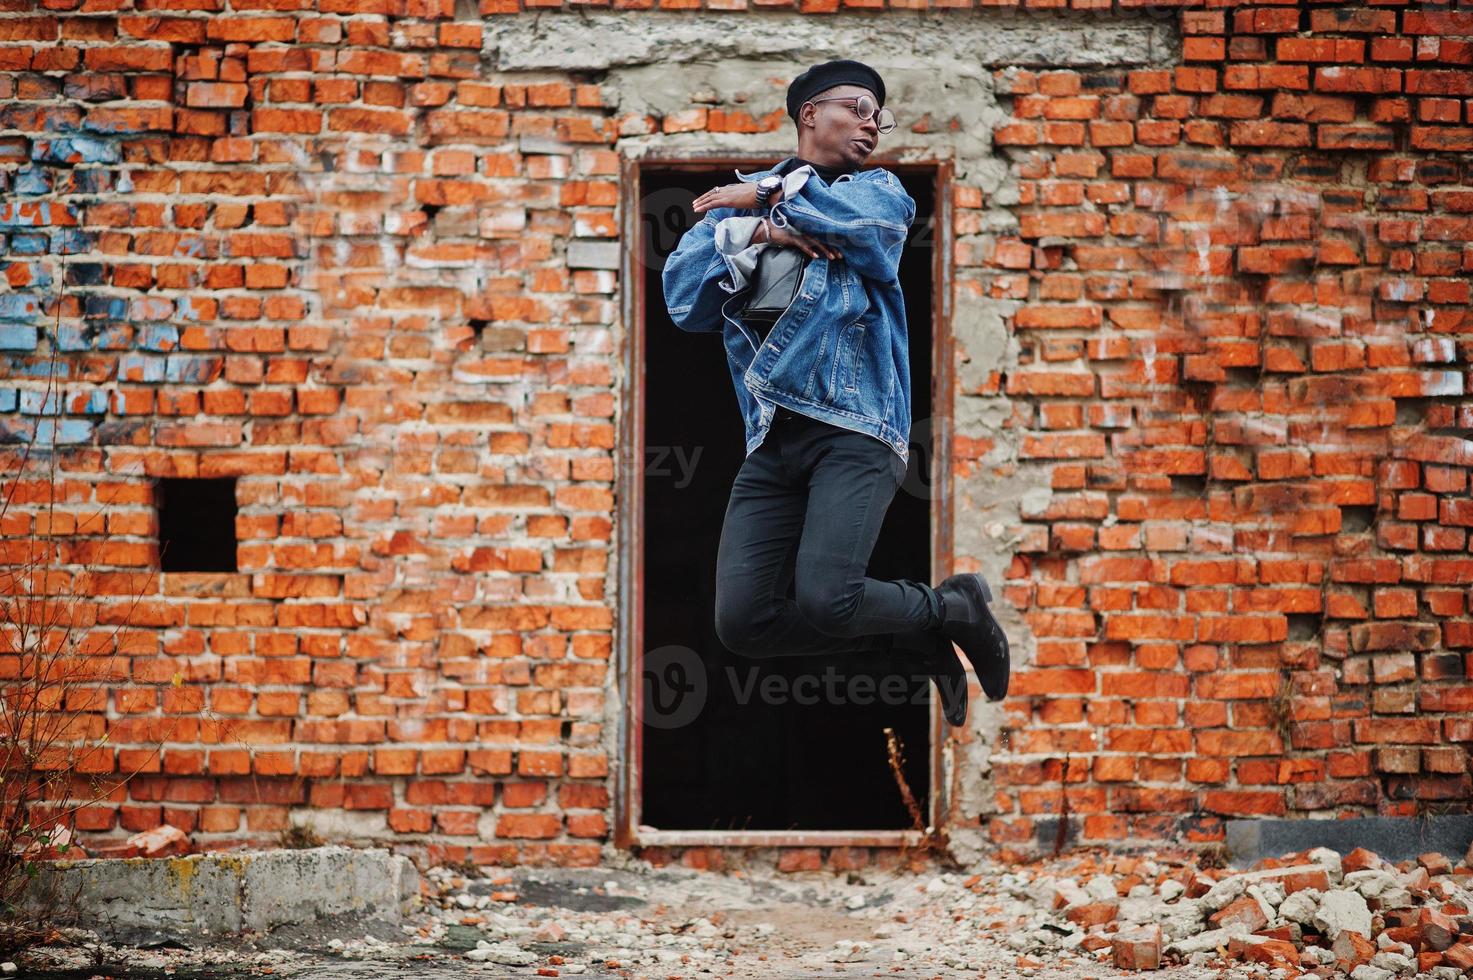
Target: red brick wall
{"type": "Point", "coordinates": [1246, 337]}
{"type": "Point", "coordinates": [304, 250]}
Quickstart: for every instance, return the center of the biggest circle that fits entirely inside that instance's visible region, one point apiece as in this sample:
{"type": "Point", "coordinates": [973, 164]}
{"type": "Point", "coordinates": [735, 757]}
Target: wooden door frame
{"type": "Point", "coordinates": [629, 492]}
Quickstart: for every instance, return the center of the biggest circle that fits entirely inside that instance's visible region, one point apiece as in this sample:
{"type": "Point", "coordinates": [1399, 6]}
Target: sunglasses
{"type": "Point", "coordinates": [865, 108]}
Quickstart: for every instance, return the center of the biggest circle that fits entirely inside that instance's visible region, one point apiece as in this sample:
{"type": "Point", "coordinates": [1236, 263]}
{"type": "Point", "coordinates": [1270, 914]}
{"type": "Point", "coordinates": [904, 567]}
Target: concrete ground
{"type": "Point", "coordinates": [634, 922]}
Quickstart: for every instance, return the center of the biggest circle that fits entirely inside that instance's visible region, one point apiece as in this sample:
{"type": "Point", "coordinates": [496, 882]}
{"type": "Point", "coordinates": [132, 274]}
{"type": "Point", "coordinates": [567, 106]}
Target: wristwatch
{"type": "Point", "coordinates": [765, 187]}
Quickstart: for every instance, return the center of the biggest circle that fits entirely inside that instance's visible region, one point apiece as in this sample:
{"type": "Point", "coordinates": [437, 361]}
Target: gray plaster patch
{"type": "Point", "coordinates": [593, 255]}
{"type": "Point", "coordinates": [592, 40]}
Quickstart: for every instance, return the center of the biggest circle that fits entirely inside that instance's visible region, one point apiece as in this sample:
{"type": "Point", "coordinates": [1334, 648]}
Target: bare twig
{"type": "Point", "coordinates": [53, 671]}
{"type": "Point", "coordinates": [1063, 831]}
{"type": "Point", "coordinates": [933, 839]}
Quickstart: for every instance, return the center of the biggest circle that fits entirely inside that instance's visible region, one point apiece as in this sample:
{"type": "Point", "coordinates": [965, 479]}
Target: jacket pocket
{"type": "Point", "coordinates": [848, 357]}
{"type": "Point", "coordinates": [813, 375]}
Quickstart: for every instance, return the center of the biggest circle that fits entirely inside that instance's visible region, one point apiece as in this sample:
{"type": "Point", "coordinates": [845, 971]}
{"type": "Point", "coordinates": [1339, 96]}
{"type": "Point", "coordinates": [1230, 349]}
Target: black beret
{"type": "Point", "coordinates": [827, 75]}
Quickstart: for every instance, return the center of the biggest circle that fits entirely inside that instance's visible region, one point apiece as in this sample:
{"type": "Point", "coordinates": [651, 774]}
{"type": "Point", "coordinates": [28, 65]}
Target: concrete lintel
{"type": "Point", "coordinates": [587, 40]}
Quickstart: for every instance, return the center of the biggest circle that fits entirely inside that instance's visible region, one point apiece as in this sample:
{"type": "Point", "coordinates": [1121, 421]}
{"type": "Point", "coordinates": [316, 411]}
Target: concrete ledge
{"type": "Point", "coordinates": [1394, 838]}
{"type": "Point", "coordinates": [230, 891]}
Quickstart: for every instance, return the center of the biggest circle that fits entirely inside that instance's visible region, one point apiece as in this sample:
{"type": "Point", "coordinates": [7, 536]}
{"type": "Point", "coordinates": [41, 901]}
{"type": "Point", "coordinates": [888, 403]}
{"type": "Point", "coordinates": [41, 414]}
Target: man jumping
{"type": "Point", "coordinates": [824, 392]}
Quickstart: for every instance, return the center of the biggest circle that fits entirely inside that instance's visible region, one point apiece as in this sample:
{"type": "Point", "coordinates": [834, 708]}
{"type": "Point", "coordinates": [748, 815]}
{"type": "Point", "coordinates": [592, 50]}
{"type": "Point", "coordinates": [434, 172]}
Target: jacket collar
{"type": "Point", "coordinates": [783, 167]}
{"type": "Point", "coordinates": [787, 163]}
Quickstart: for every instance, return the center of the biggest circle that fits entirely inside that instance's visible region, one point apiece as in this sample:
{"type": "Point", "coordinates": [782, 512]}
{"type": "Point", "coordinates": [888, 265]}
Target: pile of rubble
{"type": "Point", "coordinates": [1310, 912]}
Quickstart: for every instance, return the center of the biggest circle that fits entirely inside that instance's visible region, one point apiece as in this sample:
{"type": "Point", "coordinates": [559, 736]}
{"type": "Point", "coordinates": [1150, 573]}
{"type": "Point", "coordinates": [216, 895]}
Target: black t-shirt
{"type": "Point", "coordinates": [827, 173]}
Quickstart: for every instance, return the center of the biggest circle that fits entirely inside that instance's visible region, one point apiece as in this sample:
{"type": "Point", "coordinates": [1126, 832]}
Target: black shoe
{"type": "Point", "coordinates": [969, 623]}
{"type": "Point", "coordinates": [935, 655]}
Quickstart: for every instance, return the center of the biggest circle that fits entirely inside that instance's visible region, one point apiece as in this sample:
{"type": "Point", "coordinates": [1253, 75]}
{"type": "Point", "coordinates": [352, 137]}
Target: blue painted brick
{"type": "Point", "coordinates": [71, 338]}
{"type": "Point", "coordinates": [13, 336]}
{"type": "Point", "coordinates": [8, 399]}
{"type": "Point", "coordinates": [15, 430]}
{"type": "Point", "coordinates": [140, 367]}
{"type": "Point", "coordinates": [104, 307]}
{"type": "Point", "coordinates": [33, 274]}
{"type": "Point", "coordinates": [16, 338]}
{"type": "Point", "coordinates": [24, 214]}
{"type": "Point", "coordinates": [36, 214]}
{"type": "Point", "coordinates": [35, 367]}
{"type": "Point", "coordinates": [34, 402]}
{"type": "Point", "coordinates": [191, 308]}
{"type": "Point", "coordinates": [158, 337]}
{"type": "Point", "coordinates": [28, 244]}
{"type": "Point", "coordinates": [193, 369]}
{"type": "Point", "coordinates": [32, 180]}
{"type": "Point", "coordinates": [95, 336]}
{"type": "Point", "coordinates": [70, 241]}
{"type": "Point", "coordinates": [150, 308]}
{"type": "Point", "coordinates": [75, 149]}
{"type": "Point", "coordinates": [113, 336]}
{"type": "Point", "coordinates": [63, 431]}
{"type": "Point", "coordinates": [92, 181]}
{"type": "Point", "coordinates": [96, 403]}
{"type": "Point", "coordinates": [20, 306]}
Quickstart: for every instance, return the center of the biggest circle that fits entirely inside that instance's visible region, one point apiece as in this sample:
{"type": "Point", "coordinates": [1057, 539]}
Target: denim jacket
{"type": "Point", "coordinates": [840, 351]}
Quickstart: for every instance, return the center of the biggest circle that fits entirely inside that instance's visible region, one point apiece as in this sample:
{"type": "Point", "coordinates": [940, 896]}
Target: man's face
{"type": "Point", "coordinates": [837, 129]}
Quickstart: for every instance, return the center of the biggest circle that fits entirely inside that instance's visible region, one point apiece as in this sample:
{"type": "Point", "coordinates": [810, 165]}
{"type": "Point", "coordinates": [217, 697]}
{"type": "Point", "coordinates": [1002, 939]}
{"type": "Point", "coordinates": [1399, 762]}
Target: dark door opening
{"type": "Point", "coordinates": [748, 761]}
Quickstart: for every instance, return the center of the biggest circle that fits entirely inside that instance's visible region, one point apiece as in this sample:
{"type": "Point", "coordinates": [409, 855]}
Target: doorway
{"type": "Point", "coordinates": [755, 756]}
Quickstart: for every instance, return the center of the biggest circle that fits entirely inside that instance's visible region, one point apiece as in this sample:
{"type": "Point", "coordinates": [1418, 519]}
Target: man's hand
{"type": "Point", "coordinates": [740, 195]}
{"type": "Point", "coordinates": [744, 196]}
{"type": "Point", "coordinates": [767, 232]}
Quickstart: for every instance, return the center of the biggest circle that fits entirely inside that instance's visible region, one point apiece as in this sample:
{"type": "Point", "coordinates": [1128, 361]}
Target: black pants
{"type": "Point", "coordinates": [810, 501]}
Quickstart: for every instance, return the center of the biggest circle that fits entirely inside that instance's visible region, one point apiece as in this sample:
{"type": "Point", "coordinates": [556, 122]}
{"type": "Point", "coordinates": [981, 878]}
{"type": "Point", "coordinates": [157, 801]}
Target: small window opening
{"type": "Point", "coordinates": [196, 524]}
